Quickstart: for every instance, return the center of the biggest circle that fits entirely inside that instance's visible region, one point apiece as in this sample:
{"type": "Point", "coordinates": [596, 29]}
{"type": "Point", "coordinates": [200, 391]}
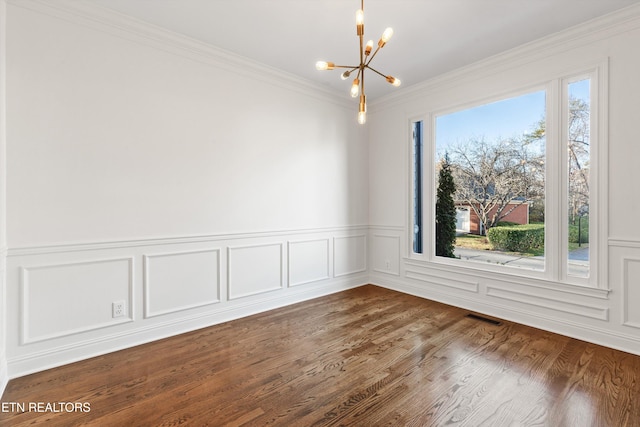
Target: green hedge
{"type": "Point", "coordinates": [584, 234]}
{"type": "Point", "coordinates": [507, 224]}
{"type": "Point", "coordinates": [519, 238]}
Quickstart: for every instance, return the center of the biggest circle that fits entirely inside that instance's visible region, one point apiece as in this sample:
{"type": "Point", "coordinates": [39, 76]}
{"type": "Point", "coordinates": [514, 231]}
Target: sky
{"type": "Point", "coordinates": [504, 119]}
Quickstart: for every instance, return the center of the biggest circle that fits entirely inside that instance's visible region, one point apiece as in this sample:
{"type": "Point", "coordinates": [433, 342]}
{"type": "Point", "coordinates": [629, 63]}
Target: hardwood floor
{"type": "Point", "coordinates": [364, 357]}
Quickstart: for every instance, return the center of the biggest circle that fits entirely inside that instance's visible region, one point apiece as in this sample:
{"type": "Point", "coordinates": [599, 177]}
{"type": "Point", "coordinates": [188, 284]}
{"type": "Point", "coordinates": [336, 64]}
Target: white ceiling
{"type": "Point", "coordinates": [430, 36]}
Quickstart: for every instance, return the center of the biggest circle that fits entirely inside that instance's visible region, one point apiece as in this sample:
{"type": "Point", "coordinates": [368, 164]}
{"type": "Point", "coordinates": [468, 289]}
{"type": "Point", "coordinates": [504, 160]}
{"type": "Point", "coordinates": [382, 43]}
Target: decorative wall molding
{"type": "Point", "coordinates": [468, 269]}
{"type": "Point", "coordinates": [388, 262]}
{"type": "Point", "coordinates": [4, 370]}
{"type": "Point", "coordinates": [59, 354]}
{"type": "Point", "coordinates": [527, 316]}
{"type": "Point", "coordinates": [350, 255]}
{"type": "Point", "coordinates": [441, 280]}
{"type": "Point", "coordinates": [624, 243]}
{"type": "Point", "coordinates": [254, 269]}
{"type": "Point", "coordinates": [397, 228]}
{"type": "Point", "coordinates": [90, 317]}
{"type": "Point", "coordinates": [140, 32]}
{"type": "Point", "coordinates": [4, 374]}
{"type": "Point", "coordinates": [187, 284]}
{"type": "Point", "coordinates": [547, 302]}
{"type": "Point", "coordinates": [246, 262]}
{"type": "Point", "coordinates": [601, 28]}
{"type": "Point", "coordinates": [312, 269]}
{"type": "Point", "coordinates": [630, 292]}
{"type": "Point", "coordinates": [179, 240]}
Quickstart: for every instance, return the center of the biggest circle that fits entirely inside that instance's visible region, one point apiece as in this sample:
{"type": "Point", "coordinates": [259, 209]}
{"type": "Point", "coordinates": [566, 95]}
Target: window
{"type": "Point", "coordinates": [512, 161]}
{"type": "Point", "coordinates": [417, 186]}
{"type": "Point", "coordinates": [578, 132]}
{"type": "Point", "coordinates": [497, 154]}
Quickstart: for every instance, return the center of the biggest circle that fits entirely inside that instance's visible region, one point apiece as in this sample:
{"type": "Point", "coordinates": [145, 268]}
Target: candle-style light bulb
{"type": "Point", "coordinates": [360, 22]}
{"type": "Point", "coordinates": [355, 88]}
{"type": "Point", "coordinates": [385, 36]}
{"type": "Point", "coordinates": [393, 81]}
{"type": "Point", "coordinates": [362, 110]}
{"type": "Point", "coordinates": [324, 65]}
{"type": "Point", "coordinates": [368, 47]}
{"type": "Point", "coordinates": [388, 32]}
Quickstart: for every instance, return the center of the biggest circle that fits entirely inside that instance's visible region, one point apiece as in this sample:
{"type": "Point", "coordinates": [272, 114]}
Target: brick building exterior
{"type": "Point", "coordinates": [468, 221]}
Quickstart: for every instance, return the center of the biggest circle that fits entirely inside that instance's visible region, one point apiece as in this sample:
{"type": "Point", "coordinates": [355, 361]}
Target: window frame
{"type": "Point", "coordinates": [556, 176]}
{"type": "Point", "coordinates": [427, 192]}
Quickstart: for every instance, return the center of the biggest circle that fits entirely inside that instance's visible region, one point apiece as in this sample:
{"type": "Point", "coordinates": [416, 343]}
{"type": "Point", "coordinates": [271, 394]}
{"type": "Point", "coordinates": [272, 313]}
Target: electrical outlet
{"type": "Point", "coordinates": [387, 264]}
{"type": "Point", "coordinates": [117, 308]}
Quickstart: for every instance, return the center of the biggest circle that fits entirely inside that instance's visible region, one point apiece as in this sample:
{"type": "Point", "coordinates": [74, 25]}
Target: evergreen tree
{"type": "Point", "coordinates": [445, 211]}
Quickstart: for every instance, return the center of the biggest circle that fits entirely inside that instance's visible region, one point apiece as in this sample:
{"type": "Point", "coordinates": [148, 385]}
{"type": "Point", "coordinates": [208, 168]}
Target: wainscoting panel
{"type": "Point", "coordinates": [631, 292]}
{"type": "Point", "coordinates": [308, 261]}
{"type": "Point", "coordinates": [544, 300]}
{"type": "Point", "coordinates": [350, 255]}
{"type": "Point", "coordinates": [386, 254]}
{"type": "Point", "coordinates": [607, 315]}
{"type": "Point", "coordinates": [61, 295]}
{"type": "Point", "coordinates": [181, 280]}
{"type": "Point", "coordinates": [4, 368]}
{"type": "Point", "coordinates": [254, 269]}
{"type": "Point", "coordinates": [454, 283]}
{"type": "Point", "coordinates": [66, 299]}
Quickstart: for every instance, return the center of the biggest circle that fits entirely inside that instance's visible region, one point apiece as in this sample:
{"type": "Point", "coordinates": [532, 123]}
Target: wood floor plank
{"type": "Point", "coordinates": [364, 357]}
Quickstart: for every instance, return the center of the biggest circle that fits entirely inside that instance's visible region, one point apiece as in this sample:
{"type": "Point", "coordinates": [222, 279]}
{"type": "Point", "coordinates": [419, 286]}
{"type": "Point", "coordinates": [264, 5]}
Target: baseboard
{"type": "Point", "coordinates": [584, 332]}
{"type": "Point", "coordinates": [63, 355]}
{"type": "Point", "coordinates": [4, 375]}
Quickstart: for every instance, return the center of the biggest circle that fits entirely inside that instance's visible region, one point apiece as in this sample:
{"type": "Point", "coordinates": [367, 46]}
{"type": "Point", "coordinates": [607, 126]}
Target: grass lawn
{"type": "Point", "coordinates": [481, 243]}
{"type": "Point", "coordinates": [473, 241]}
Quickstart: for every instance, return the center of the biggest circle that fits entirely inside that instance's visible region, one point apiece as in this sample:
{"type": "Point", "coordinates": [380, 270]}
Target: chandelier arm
{"type": "Point", "coordinates": [365, 59]}
{"type": "Point", "coordinates": [372, 56]}
{"type": "Point", "coordinates": [361, 50]}
{"type": "Point", "coordinates": [376, 71]}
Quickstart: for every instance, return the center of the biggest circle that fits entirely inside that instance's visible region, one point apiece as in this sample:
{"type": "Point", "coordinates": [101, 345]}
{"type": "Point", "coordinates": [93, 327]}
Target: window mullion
{"type": "Point", "coordinates": [555, 185]}
{"type": "Point", "coordinates": [428, 211]}
{"type": "Point", "coordinates": [599, 157]}
{"type": "Point", "coordinates": [563, 182]}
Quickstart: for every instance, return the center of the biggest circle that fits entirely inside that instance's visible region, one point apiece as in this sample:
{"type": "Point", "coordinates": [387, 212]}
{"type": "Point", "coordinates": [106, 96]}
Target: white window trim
{"type": "Point", "coordinates": [556, 252]}
{"type": "Point", "coordinates": [426, 188]}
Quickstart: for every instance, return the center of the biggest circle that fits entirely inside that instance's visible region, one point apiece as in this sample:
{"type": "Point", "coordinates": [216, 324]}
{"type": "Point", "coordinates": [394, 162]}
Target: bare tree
{"type": "Point", "coordinates": [578, 151]}
{"type": "Point", "coordinates": [494, 178]}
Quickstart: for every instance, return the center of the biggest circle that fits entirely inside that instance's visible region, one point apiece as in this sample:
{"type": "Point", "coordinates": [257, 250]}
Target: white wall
{"type": "Point", "coordinates": [193, 185]}
{"type": "Point", "coordinates": [4, 375]}
{"type": "Point", "coordinates": [199, 187]}
{"type": "Point", "coordinates": [609, 315]}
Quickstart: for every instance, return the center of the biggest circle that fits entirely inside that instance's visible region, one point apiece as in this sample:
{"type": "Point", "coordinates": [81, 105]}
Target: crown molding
{"type": "Point", "coordinates": [597, 29]}
{"type": "Point", "coordinates": [120, 25]}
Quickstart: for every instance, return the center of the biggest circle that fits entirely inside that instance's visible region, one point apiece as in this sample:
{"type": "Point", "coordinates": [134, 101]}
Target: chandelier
{"type": "Point", "coordinates": [357, 88]}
